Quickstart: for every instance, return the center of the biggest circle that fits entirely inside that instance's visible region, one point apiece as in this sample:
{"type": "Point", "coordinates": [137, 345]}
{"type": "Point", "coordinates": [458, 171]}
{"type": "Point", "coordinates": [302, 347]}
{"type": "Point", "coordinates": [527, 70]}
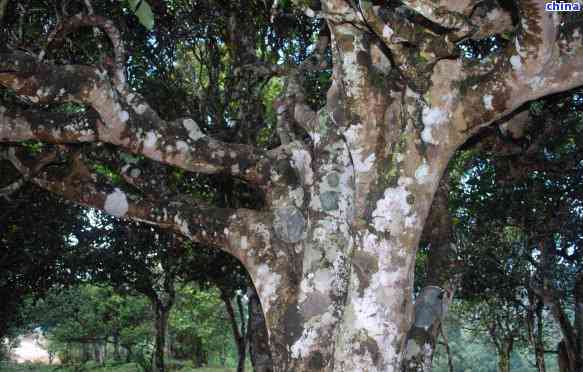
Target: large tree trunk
{"type": "Point", "coordinates": [257, 335]}
{"type": "Point", "coordinates": [332, 252]}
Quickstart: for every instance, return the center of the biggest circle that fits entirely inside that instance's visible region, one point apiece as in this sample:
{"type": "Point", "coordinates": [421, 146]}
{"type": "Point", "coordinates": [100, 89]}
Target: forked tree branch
{"type": "Point", "coordinates": [80, 20]}
{"type": "Point", "coordinates": [10, 155]}
{"type": "Point", "coordinates": [125, 120]}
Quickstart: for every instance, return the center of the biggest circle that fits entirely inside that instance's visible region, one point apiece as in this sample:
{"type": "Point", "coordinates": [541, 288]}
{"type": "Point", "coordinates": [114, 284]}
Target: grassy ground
{"type": "Point", "coordinates": [131, 367]}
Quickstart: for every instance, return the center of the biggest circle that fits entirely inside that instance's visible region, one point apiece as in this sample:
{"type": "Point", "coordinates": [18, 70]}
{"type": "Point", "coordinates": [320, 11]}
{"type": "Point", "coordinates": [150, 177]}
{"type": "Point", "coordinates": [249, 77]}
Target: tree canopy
{"type": "Point", "coordinates": [312, 142]}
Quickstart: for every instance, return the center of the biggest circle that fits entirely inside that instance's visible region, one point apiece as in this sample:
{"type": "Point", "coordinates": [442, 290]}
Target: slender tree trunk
{"type": "Point", "coordinates": [161, 323]}
{"type": "Point", "coordinates": [503, 362]}
{"type": "Point", "coordinates": [222, 355]}
{"type": "Point", "coordinates": [129, 352]}
{"type": "Point", "coordinates": [447, 349]}
{"type": "Point", "coordinates": [85, 352]}
{"type": "Point", "coordinates": [504, 354]}
{"type": "Point", "coordinates": [116, 348]}
{"type": "Point", "coordinates": [237, 332]}
{"type": "Point", "coordinates": [563, 359]}
{"type": "Point", "coordinates": [243, 333]}
{"type": "Point", "coordinates": [579, 320]}
{"type": "Point", "coordinates": [539, 348]}
{"type": "Point", "coordinates": [257, 335]}
{"type": "Point", "coordinates": [534, 324]}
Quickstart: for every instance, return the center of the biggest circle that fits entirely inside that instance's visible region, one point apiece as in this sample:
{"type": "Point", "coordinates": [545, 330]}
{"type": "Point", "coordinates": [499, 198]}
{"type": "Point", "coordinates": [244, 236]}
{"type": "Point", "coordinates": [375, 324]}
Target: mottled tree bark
{"type": "Point", "coordinates": [332, 252]}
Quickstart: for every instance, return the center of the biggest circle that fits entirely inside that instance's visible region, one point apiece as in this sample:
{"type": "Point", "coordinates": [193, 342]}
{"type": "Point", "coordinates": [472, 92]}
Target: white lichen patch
{"type": "Point", "coordinates": [322, 280]}
{"type": "Point", "coordinates": [302, 162]}
{"type": "Point", "coordinates": [182, 224]}
{"type": "Point", "coordinates": [101, 74]}
{"type": "Point", "coordinates": [193, 130]}
{"type": "Point", "coordinates": [303, 345]}
{"type": "Point", "coordinates": [387, 32]}
{"type": "Point", "coordinates": [43, 92]}
{"type": "Point", "coordinates": [244, 242]}
{"type": "Point", "coordinates": [140, 109]}
{"type": "Point", "coordinates": [516, 62]}
{"type": "Point", "coordinates": [393, 212]}
{"type": "Point", "coordinates": [182, 146]}
{"type": "Point", "coordinates": [151, 139]}
{"type": "Point", "coordinates": [116, 203]}
{"type": "Point", "coordinates": [135, 172]}
{"type": "Point", "coordinates": [487, 99]}
{"type": "Point", "coordinates": [362, 162]}
{"type": "Point", "coordinates": [124, 116]}
{"type": "Point", "coordinates": [423, 173]}
{"type": "Point", "coordinates": [537, 82]}
{"type": "Point", "coordinates": [267, 283]}
{"type": "Point", "coordinates": [312, 335]}
{"type": "Point", "coordinates": [296, 195]}
{"type": "Point", "coordinates": [432, 118]}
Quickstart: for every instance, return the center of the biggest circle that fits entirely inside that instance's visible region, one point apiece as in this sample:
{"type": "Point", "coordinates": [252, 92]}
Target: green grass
{"type": "Point", "coordinates": [130, 367]}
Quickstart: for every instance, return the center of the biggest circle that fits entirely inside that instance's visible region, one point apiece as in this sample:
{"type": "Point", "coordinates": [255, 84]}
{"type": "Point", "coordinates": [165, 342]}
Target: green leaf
{"type": "Point", "coordinates": [143, 11]}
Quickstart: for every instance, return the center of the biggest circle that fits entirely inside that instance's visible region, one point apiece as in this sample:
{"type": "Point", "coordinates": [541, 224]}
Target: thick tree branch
{"type": "Point", "coordinates": [127, 121]}
{"type": "Point", "coordinates": [219, 227]}
{"type": "Point", "coordinates": [440, 15]}
{"type": "Point", "coordinates": [292, 107]}
{"type": "Point", "coordinates": [10, 155]}
{"type": "Point", "coordinates": [536, 64]}
{"type": "Point", "coordinates": [49, 127]}
{"type": "Point", "coordinates": [413, 49]}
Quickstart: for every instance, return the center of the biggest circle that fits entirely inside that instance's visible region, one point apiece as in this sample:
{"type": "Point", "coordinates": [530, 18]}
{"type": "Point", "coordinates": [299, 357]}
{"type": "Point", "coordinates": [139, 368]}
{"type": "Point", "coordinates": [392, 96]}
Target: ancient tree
{"type": "Point", "coordinates": [349, 186]}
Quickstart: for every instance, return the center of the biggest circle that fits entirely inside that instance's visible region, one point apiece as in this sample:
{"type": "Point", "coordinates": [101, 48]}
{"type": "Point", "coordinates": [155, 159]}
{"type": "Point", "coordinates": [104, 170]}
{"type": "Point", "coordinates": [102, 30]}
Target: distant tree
{"type": "Point", "coordinates": [345, 177]}
{"type": "Point", "coordinates": [517, 206]}
{"type": "Point", "coordinates": [34, 260]}
{"type": "Point", "coordinates": [90, 317]}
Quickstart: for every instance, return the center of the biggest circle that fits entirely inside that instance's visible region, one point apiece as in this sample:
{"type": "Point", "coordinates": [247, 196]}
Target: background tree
{"type": "Point", "coordinates": [347, 187]}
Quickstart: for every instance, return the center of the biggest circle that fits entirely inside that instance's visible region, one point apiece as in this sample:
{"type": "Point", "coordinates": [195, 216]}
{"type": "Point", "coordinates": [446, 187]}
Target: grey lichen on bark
{"type": "Point", "coordinates": [289, 224]}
